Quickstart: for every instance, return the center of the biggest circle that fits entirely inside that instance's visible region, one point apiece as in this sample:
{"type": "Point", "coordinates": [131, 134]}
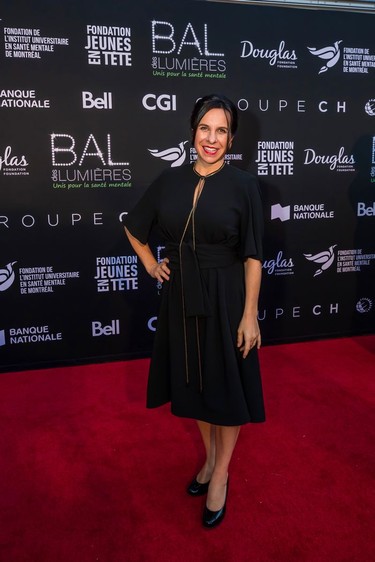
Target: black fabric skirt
{"type": "Point", "coordinates": [195, 362]}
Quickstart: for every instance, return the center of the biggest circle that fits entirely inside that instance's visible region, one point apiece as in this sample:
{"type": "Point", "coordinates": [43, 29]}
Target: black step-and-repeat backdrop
{"type": "Point", "coordinates": [95, 101]}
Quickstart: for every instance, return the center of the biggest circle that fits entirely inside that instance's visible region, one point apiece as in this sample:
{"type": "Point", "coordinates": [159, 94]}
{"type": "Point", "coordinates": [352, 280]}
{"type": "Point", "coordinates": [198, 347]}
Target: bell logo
{"type": "Point", "coordinates": [363, 211]}
{"type": "Point", "coordinates": [111, 329]}
{"type": "Point", "coordinates": [89, 102]}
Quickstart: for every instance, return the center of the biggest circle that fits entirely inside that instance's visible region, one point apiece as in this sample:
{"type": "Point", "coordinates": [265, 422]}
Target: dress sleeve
{"type": "Point", "coordinates": [143, 217]}
{"type": "Point", "coordinates": [252, 222]}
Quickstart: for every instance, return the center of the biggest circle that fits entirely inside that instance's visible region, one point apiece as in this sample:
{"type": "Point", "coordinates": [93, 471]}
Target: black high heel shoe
{"type": "Point", "coordinates": [211, 519]}
{"type": "Point", "coordinates": [195, 488]}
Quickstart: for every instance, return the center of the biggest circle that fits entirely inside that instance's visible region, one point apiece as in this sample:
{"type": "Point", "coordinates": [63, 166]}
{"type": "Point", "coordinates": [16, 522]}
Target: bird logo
{"type": "Point", "coordinates": [330, 54]}
{"type": "Point", "coordinates": [7, 276]}
{"type": "Point", "coordinates": [325, 258]}
{"type": "Point", "coordinates": [175, 154]}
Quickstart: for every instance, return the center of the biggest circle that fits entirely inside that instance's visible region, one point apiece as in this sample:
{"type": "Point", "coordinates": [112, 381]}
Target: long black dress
{"type": "Point", "coordinates": [195, 362]}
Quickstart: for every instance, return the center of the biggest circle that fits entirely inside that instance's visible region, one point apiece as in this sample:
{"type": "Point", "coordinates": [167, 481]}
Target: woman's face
{"type": "Point", "coordinates": [212, 139]}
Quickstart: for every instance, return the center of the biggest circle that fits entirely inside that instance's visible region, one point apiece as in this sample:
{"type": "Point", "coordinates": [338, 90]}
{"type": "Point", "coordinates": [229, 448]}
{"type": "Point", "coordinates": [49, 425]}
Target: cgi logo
{"type": "Point", "coordinates": [111, 329]}
{"type": "Point", "coordinates": [89, 102]}
{"type": "Point", "coordinates": [151, 324]}
{"type": "Point", "coordinates": [165, 102]}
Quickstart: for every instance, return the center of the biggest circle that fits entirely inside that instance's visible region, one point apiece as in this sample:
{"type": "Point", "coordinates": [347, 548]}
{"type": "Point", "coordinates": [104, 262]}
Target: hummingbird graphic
{"type": "Point", "coordinates": [330, 54]}
{"type": "Point", "coordinates": [175, 154]}
{"type": "Point", "coordinates": [325, 258]}
{"type": "Point", "coordinates": [7, 276]}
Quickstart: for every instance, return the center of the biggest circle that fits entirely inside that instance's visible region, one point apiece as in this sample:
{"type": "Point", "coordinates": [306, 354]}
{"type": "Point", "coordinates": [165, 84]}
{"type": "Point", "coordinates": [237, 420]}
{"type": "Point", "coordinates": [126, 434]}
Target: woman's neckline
{"type": "Point", "coordinates": [208, 175]}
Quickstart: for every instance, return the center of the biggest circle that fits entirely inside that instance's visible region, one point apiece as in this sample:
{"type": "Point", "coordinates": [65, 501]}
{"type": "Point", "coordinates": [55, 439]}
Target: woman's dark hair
{"type": "Point", "coordinates": [213, 101]}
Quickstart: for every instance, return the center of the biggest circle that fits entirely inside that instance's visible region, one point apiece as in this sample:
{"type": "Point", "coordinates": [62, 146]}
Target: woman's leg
{"type": "Point", "coordinates": [225, 441]}
{"type": "Point", "coordinates": [208, 436]}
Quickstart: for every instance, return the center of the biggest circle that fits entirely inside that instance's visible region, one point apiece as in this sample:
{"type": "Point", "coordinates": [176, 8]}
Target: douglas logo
{"type": "Point", "coordinates": [279, 57]}
{"type": "Point", "coordinates": [13, 165]}
{"type": "Point", "coordinates": [341, 162]}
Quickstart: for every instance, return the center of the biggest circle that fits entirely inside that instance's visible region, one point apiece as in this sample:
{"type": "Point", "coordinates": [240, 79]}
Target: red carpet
{"type": "Point", "coordinates": [88, 474]}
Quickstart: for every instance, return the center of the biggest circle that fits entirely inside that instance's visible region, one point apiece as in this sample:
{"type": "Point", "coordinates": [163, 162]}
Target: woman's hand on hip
{"type": "Point", "coordinates": [160, 270]}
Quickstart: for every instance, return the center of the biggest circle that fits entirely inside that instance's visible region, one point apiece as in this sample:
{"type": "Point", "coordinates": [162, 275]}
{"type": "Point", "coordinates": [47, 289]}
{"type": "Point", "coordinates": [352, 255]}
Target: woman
{"type": "Point", "coordinates": [205, 352]}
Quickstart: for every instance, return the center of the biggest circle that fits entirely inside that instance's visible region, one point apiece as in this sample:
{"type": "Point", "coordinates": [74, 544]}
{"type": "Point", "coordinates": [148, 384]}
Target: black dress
{"type": "Point", "coordinates": [195, 362]}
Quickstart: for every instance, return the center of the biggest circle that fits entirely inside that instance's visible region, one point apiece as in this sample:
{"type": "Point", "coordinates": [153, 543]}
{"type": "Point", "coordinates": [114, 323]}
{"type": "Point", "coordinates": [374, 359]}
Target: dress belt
{"type": "Point", "coordinates": [183, 257]}
{"type": "Point", "coordinates": [189, 261]}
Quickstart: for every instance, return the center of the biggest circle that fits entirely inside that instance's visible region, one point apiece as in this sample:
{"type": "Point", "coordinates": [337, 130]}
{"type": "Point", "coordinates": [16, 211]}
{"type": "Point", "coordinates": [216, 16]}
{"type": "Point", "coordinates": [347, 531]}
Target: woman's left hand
{"type": "Point", "coordinates": [248, 335]}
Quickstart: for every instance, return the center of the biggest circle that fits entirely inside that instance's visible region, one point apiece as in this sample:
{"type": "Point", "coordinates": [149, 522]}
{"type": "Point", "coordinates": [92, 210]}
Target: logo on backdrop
{"type": "Point", "coordinates": [28, 43]}
{"type": "Point", "coordinates": [116, 273]}
{"type": "Point", "coordinates": [189, 54]}
{"type": "Point", "coordinates": [35, 279]}
{"type": "Point", "coordinates": [43, 279]}
{"type": "Point", "coordinates": [108, 45]}
{"type": "Point", "coordinates": [275, 158]}
{"type": "Point", "coordinates": [12, 164]}
{"type": "Point", "coordinates": [370, 108]}
{"type": "Point", "coordinates": [372, 172]}
{"type": "Point", "coordinates": [339, 162]}
{"type": "Point", "coordinates": [7, 276]}
{"type": "Point", "coordinates": [279, 265]}
{"type": "Point", "coordinates": [310, 211]}
{"type": "Point", "coordinates": [365, 211]}
{"type": "Point", "coordinates": [151, 324]}
{"type": "Point", "coordinates": [22, 99]}
{"type": "Point", "coordinates": [279, 57]}
{"type": "Point", "coordinates": [296, 312]}
{"type": "Point", "coordinates": [364, 305]}
{"type": "Point", "coordinates": [228, 158]}
{"type": "Point", "coordinates": [175, 154]}
{"type": "Point", "coordinates": [90, 102]}
{"type": "Point", "coordinates": [52, 220]}
{"type": "Point", "coordinates": [30, 334]}
{"type": "Point", "coordinates": [164, 102]}
{"type": "Point", "coordinates": [298, 106]}
{"type": "Point", "coordinates": [357, 60]}
{"type": "Point", "coordinates": [323, 259]}
{"type": "Point", "coordinates": [353, 260]}
{"type": "Point", "coordinates": [68, 172]}
{"type": "Point", "coordinates": [329, 55]}
{"type": "Point", "coordinates": [98, 329]}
